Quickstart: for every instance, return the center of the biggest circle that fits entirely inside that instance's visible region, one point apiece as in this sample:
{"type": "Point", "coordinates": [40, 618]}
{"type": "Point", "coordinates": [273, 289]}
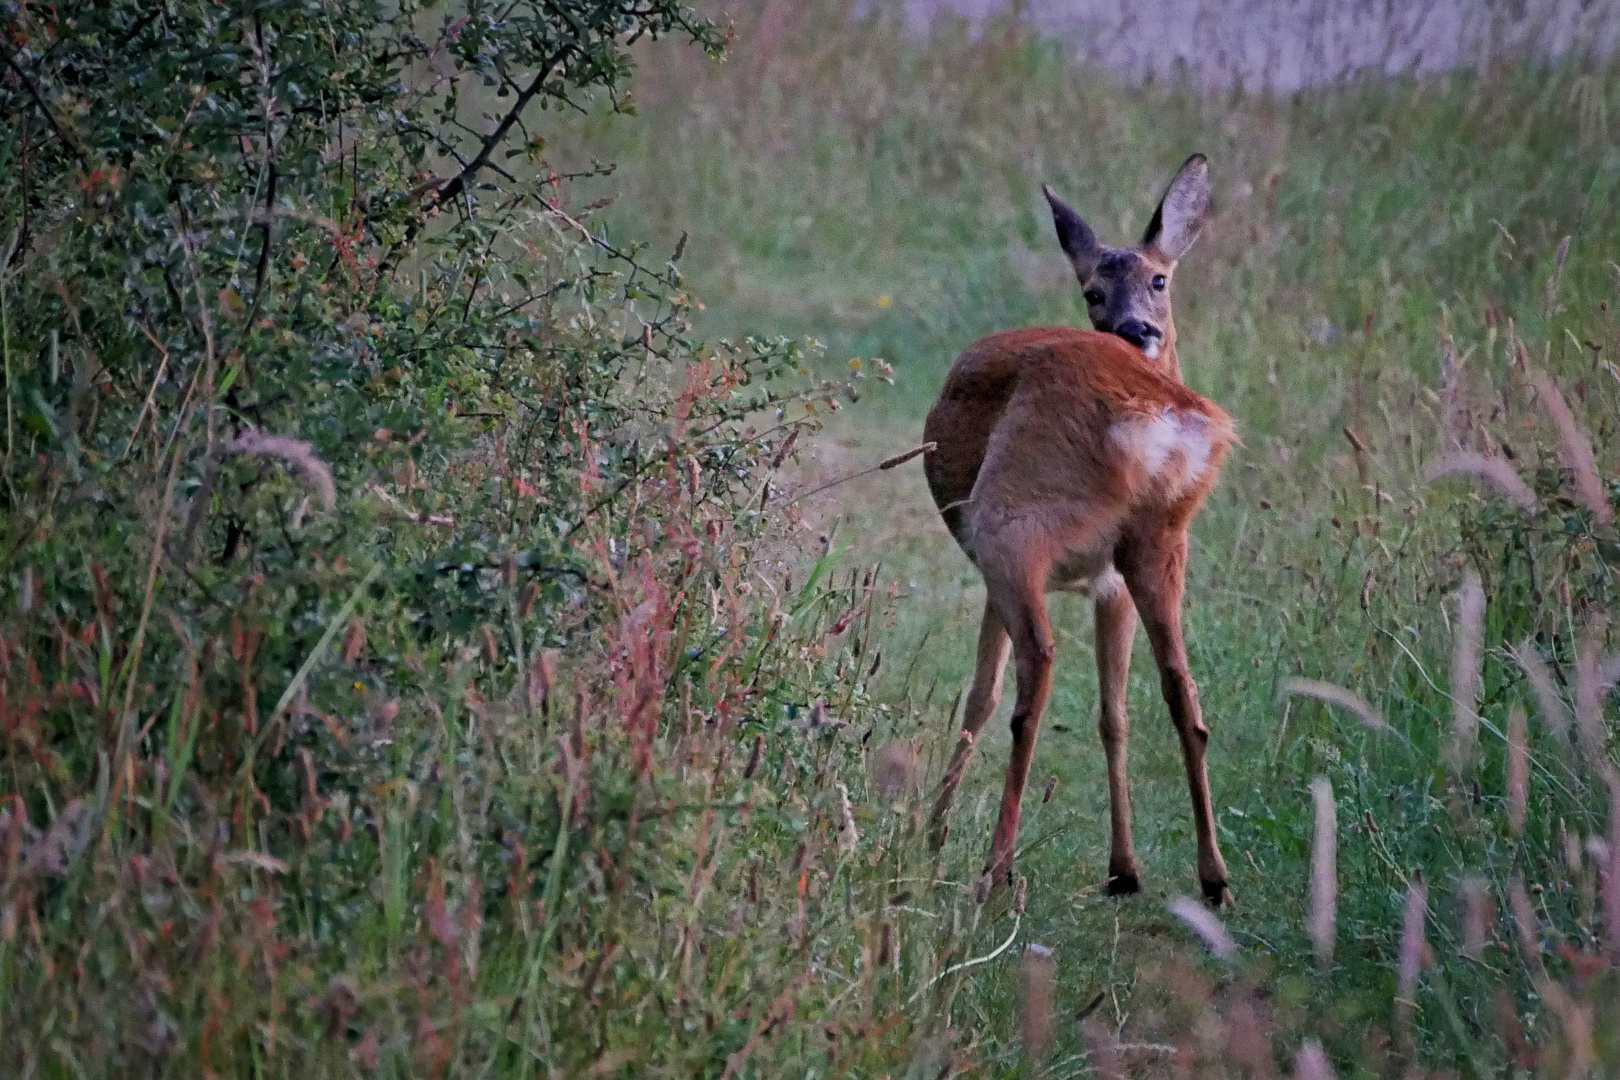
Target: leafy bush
{"type": "Point", "coordinates": [385, 637]}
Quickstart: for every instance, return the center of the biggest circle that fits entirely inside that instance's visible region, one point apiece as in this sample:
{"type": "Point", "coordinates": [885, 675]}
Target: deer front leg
{"type": "Point", "coordinates": [1116, 626]}
{"type": "Point", "coordinates": [1155, 576]}
{"type": "Point", "coordinates": [983, 697]}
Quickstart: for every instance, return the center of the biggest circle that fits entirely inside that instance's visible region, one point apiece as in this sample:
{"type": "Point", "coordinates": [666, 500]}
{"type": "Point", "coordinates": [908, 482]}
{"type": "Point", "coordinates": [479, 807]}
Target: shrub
{"type": "Point", "coordinates": [386, 633]}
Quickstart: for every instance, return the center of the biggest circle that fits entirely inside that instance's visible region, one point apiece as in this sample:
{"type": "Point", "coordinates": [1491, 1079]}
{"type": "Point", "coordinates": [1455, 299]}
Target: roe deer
{"type": "Point", "coordinates": [1075, 459]}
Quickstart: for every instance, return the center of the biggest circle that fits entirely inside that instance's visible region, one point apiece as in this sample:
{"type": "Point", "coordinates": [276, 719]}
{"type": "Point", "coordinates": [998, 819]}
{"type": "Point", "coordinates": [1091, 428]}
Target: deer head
{"type": "Point", "coordinates": [1127, 289]}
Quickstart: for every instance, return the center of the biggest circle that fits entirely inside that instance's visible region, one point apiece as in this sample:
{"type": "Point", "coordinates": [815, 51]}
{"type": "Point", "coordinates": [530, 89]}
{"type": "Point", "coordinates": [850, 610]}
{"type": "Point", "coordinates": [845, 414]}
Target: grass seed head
{"type": "Point", "coordinates": [1413, 957]}
{"type": "Point", "coordinates": [297, 453]}
{"type": "Point", "coordinates": [1477, 916]}
{"type": "Point", "coordinates": [1494, 471]}
{"type": "Point", "coordinates": [1590, 690]}
{"type": "Point", "coordinates": [354, 640]}
{"type": "Point", "coordinates": [848, 837]}
{"type": "Point", "coordinates": [1414, 948]}
{"type": "Point", "coordinates": [894, 771]}
{"type": "Point", "coordinates": [1035, 1012]}
{"type": "Point", "coordinates": [1463, 745]}
{"type": "Point", "coordinates": [1324, 875]}
{"type": "Point", "coordinates": [1203, 922]}
{"type": "Point", "coordinates": [1311, 1063]}
{"type": "Point", "coordinates": [1575, 447]}
{"type": "Point", "coordinates": [1554, 713]}
{"type": "Point", "coordinates": [1609, 872]}
{"type": "Point", "coordinates": [1355, 704]}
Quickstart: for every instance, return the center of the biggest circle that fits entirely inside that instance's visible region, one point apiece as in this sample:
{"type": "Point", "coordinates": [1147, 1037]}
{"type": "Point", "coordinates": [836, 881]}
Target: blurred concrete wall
{"type": "Point", "coordinates": [1287, 44]}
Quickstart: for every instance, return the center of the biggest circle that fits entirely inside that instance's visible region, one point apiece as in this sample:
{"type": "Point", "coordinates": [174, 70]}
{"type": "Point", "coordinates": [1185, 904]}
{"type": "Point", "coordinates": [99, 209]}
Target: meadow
{"type": "Point", "coordinates": [1385, 258]}
{"type": "Point", "coordinates": [431, 646]}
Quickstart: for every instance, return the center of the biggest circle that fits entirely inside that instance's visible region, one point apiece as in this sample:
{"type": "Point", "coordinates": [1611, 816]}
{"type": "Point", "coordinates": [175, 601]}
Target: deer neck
{"type": "Point", "coordinates": [1168, 361]}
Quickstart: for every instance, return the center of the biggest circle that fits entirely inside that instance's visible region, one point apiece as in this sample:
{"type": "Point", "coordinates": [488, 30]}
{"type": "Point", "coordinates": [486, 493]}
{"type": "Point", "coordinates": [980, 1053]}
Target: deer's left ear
{"type": "Point", "coordinates": [1182, 211]}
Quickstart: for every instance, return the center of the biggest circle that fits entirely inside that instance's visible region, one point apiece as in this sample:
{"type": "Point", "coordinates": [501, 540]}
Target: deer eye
{"type": "Point", "coordinates": [1158, 283]}
{"type": "Point", "coordinates": [1094, 297]}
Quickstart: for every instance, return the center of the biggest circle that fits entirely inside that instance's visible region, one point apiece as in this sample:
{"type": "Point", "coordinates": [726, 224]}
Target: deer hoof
{"type": "Point", "coordinates": [1216, 894]}
{"type": "Point", "coordinates": [1124, 884]}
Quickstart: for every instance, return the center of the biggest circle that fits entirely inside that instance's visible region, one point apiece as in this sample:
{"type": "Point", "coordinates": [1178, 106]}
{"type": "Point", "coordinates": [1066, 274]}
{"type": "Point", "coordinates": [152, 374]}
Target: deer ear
{"type": "Point", "coordinates": [1182, 211]}
{"type": "Point", "coordinates": [1079, 242]}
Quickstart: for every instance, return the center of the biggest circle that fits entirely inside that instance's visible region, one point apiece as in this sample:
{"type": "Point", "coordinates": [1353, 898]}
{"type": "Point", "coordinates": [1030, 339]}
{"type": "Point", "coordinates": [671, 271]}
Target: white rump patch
{"type": "Point", "coordinates": [1152, 441]}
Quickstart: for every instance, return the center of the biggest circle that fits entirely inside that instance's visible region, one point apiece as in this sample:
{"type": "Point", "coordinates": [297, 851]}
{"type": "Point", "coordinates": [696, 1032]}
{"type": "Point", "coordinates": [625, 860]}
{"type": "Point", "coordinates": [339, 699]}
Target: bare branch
{"type": "Point", "coordinates": [493, 140]}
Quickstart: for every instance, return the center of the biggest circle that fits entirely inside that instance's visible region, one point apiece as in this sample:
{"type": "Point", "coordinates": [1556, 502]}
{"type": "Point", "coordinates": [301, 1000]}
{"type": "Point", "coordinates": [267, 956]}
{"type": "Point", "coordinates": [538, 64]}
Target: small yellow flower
{"type": "Point", "coordinates": [359, 686]}
{"type": "Point", "coordinates": [885, 301]}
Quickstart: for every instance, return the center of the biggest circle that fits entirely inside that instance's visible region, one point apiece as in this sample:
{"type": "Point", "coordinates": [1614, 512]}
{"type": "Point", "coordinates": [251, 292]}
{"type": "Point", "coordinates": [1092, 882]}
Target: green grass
{"type": "Point", "coordinates": [881, 194]}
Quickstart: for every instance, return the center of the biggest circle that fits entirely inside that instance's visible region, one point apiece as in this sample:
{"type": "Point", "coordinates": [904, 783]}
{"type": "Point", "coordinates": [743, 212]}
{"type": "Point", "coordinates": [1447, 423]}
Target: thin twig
{"type": "Point", "coordinates": [210, 356]}
{"type": "Point", "coordinates": [5, 344]}
{"type": "Point", "coordinates": [886, 463]}
{"type": "Point", "coordinates": [134, 661]}
{"type": "Point", "coordinates": [71, 143]}
{"type": "Point", "coordinates": [150, 394]}
{"type": "Point", "coordinates": [975, 962]}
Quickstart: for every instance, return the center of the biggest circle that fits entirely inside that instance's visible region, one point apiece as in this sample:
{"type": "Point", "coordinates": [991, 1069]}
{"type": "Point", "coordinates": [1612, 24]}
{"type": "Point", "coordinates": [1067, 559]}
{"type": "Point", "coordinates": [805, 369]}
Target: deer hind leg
{"type": "Point", "coordinates": [1154, 569]}
{"type": "Point", "coordinates": [983, 697]}
{"type": "Point", "coordinates": [1022, 608]}
{"type": "Point", "coordinates": [1116, 626]}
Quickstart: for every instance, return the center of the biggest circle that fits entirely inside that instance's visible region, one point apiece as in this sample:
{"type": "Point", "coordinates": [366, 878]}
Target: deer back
{"type": "Point", "coordinates": [1051, 416]}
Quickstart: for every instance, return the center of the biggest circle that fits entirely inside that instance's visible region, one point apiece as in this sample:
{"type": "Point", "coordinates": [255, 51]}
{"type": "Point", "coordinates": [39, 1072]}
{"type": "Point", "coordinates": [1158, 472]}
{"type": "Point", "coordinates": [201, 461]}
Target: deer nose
{"type": "Point", "coordinates": [1137, 332]}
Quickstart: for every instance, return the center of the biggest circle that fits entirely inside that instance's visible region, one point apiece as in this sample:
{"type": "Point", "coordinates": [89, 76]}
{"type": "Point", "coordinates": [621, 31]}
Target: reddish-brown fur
{"type": "Point", "coordinates": [1062, 456]}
